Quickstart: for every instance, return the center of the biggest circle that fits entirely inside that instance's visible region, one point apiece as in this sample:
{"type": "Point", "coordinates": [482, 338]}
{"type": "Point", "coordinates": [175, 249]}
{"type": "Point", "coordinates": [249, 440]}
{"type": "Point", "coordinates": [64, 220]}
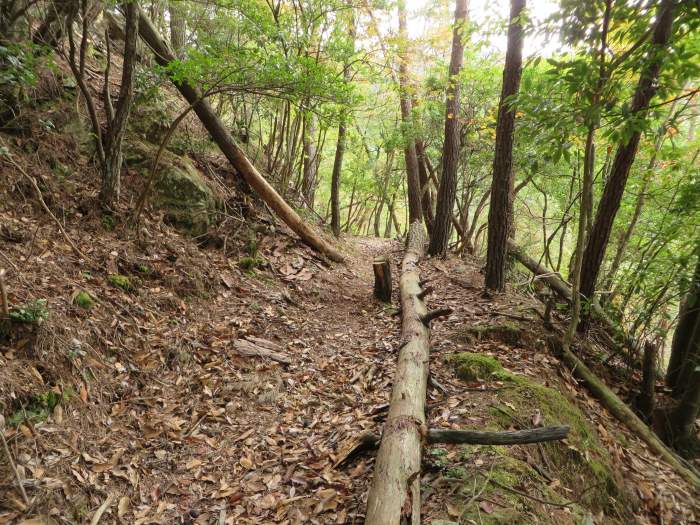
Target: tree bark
{"type": "Point", "coordinates": [231, 150]}
{"type": "Point", "coordinates": [646, 400]}
{"type": "Point", "coordinates": [500, 212]}
{"type": "Point", "coordinates": [177, 26]}
{"type": "Point", "coordinates": [310, 175]}
{"type": "Point", "coordinates": [442, 226]}
{"type": "Point", "coordinates": [415, 212]}
{"type": "Point", "coordinates": [340, 145]}
{"type": "Point", "coordinates": [395, 490]}
{"type": "Point", "coordinates": [382, 279]}
{"type": "Point", "coordinates": [689, 318]}
{"type": "Point", "coordinates": [426, 194]}
{"type": "Point", "coordinates": [624, 157]}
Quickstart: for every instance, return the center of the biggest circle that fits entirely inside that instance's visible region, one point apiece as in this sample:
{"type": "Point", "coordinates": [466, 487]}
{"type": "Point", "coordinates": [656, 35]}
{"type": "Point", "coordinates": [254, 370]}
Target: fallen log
{"type": "Point", "coordinates": [516, 437]}
{"type": "Point", "coordinates": [235, 155]}
{"type": "Point", "coordinates": [562, 288]}
{"type": "Point", "coordinates": [395, 492]}
{"type": "Point", "coordinates": [624, 413]}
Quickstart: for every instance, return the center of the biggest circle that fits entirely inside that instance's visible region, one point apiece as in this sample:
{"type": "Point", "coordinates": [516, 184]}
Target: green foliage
{"type": "Point", "coordinates": [33, 312]}
{"type": "Point", "coordinates": [121, 281]}
{"type": "Point", "coordinates": [250, 264]}
{"type": "Point", "coordinates": [39, 407]}
{"type": "Point", "coordinates": [84, 300]}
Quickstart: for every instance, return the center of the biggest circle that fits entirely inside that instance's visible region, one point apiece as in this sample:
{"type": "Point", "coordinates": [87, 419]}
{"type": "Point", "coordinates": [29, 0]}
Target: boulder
{"type": "Point", "coordinates": [189, 203]}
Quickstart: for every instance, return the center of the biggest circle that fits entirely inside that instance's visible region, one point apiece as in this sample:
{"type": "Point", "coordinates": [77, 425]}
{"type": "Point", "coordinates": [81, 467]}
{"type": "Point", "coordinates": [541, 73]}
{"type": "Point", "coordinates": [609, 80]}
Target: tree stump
{"type": "Point", "coordinates": [382, 279]}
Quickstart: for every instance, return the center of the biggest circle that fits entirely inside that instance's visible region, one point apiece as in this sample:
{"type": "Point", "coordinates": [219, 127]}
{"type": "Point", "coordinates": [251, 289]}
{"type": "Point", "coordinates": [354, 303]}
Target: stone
{"type": "Point", "coordinates": [180, 190]}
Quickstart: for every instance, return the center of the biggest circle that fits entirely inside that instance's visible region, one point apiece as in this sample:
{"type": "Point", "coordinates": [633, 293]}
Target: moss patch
{"type": "Point", "coordinates": [581, 463]}
{"type": "Point", "coordinates": [473, 366]}
{"type": "Point", "coordinates": [121, 281]}
{"type": "Point", "coordinates": [84, 300]}
{"type": "Point", "coordinates": [500, 477]}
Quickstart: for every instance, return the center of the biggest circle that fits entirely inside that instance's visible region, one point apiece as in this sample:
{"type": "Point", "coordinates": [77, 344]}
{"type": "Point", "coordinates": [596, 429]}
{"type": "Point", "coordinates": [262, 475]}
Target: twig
{"type": "Point", "coordinates": [3, 294]}
{"type": "Point", "coordinates": [11, 461]}
{"type": "Point", "coordinates": [101, 510]}
{"type": "Point", "coordinates": [46, 208]}
{"type": "Point", "coordinates": [526, 495]}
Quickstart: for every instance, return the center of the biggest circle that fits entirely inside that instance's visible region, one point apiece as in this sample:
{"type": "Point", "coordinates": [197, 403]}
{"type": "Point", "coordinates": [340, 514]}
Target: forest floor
{"type": "Point", "coordinates": [134, 400]}
{"type": "Point", "coordinates": [163, 421]}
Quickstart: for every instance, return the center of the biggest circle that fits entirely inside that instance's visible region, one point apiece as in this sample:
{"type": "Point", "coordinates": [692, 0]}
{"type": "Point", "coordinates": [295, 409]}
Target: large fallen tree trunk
{"type": "Point", "coordinates": [625, 414]}
{"type": "Point", "coordinates": [562, 288]}
{"type": "Point", "coordinates": [164, 56]}
{"type": "Point", "coordinates": [395, 490]}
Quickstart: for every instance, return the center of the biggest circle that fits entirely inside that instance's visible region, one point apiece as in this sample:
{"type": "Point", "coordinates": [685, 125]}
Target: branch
{"type": "Point", "coordinates": [518, 437]}
{"type": "Point", "coordinates": [434, 314]}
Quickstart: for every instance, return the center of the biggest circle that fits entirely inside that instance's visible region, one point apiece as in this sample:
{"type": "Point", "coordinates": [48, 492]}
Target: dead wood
{"type": "Point", "coordinates": [434, 314]}
{"type": "Point", "coordinates": [256, 347]}
{"type": "Point", "coordinates": [3, 295]}
{"type": "Point", "coordinates": [382, 279]}
{"type": "Point", "coordinates": [562, 288]}
{"type": "Point", "coordinates": [235, 155]}
{"type": "Point", "coordinates": [624, 413]}
{"type": "Point", "coordinates": [368, 440]}
{"type": "Point", "coordinates": [395, 490]}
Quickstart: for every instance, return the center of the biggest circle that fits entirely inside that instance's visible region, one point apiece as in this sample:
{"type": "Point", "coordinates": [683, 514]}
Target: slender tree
{"type": "Point", "coordinates": [177, 12]}
{"type": "Point", "coordinates": [108, 141]}
{"type": "Point", "coordinates": [415, 212]}
{"type": "Point", "coordinates": [678, 369]}
{"type": "Point", "coordinates": [626, 152]}
{"type": "Point", "coordinates": [340, 145]}
{"type": "Point", "coordinates": [501, 184]}
{"type": "Point", "coordinates": [447, 190]}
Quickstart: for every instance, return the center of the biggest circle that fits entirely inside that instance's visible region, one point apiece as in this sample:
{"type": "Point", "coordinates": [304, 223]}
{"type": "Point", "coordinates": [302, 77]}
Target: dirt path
{"type": "Point", "coordinates": [245, 440]}
{"type": "Point", "coordinates": [171, 426]}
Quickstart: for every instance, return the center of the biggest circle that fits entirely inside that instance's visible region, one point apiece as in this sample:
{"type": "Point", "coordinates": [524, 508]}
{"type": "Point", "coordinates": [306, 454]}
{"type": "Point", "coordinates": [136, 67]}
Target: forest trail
{"type": "Point", "coordinates": [180, 428]}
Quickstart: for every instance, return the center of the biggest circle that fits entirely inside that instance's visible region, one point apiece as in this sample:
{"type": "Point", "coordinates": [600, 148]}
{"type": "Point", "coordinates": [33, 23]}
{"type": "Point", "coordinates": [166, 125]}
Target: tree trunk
{"type": "Point", "coordinates": [395, 490]}
{"type": "Point", "coordinates": [646, 400]}
{"type": "Point", "coordinates": [683, 417]}
{"type": "Point", "coordinates": [382, 279]}
{"type": "Point", "coordinates": [117, 119]}
{"type": "Point", "coordinates": [501, 186]}
{"type": "Point", "coordinates": [415, 212]}
{"type": "Point", "coordinates": [681, 361]}
{"type": "Point", "coordinates": [231, 150]}
{"type": "Point", "coordinates": [308, 183]}
{"type": "Point", "coordinates": [442, 227]}
{"type": "Point", "coordinates": [340, 145]}
{"type": "Point", "coordinates": [177, 26]}
{"type": "Point", "coordinates": [624, 157]}
{"type": "Point", "coordinates": [426, 194]}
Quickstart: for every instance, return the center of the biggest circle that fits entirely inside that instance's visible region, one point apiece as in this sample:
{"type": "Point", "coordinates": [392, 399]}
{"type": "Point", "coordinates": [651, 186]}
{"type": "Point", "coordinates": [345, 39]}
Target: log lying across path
{"type": "Point", "coordinates": [395, 490]}
{"type": "Point", "coordinates": [235, 155]}
{"type": "Point", "coordinates": [369, 440]}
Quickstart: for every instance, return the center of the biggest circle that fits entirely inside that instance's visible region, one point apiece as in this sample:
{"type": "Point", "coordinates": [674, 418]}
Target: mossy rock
{"type": "Point", "coordinates": [582, 462]}
{"type": "Point", "coordinates": [473, 366]}
{"type": "Point", "coordinates": [121, 281]}
{"type": "Point", "coordinates": [501, 476]}
{"type": "Point", "coordinates": [505, 332]}
{"type": "Point", "coordinates": [181, 191]}
{"type": "Point", "coordinates": [84, 300]}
